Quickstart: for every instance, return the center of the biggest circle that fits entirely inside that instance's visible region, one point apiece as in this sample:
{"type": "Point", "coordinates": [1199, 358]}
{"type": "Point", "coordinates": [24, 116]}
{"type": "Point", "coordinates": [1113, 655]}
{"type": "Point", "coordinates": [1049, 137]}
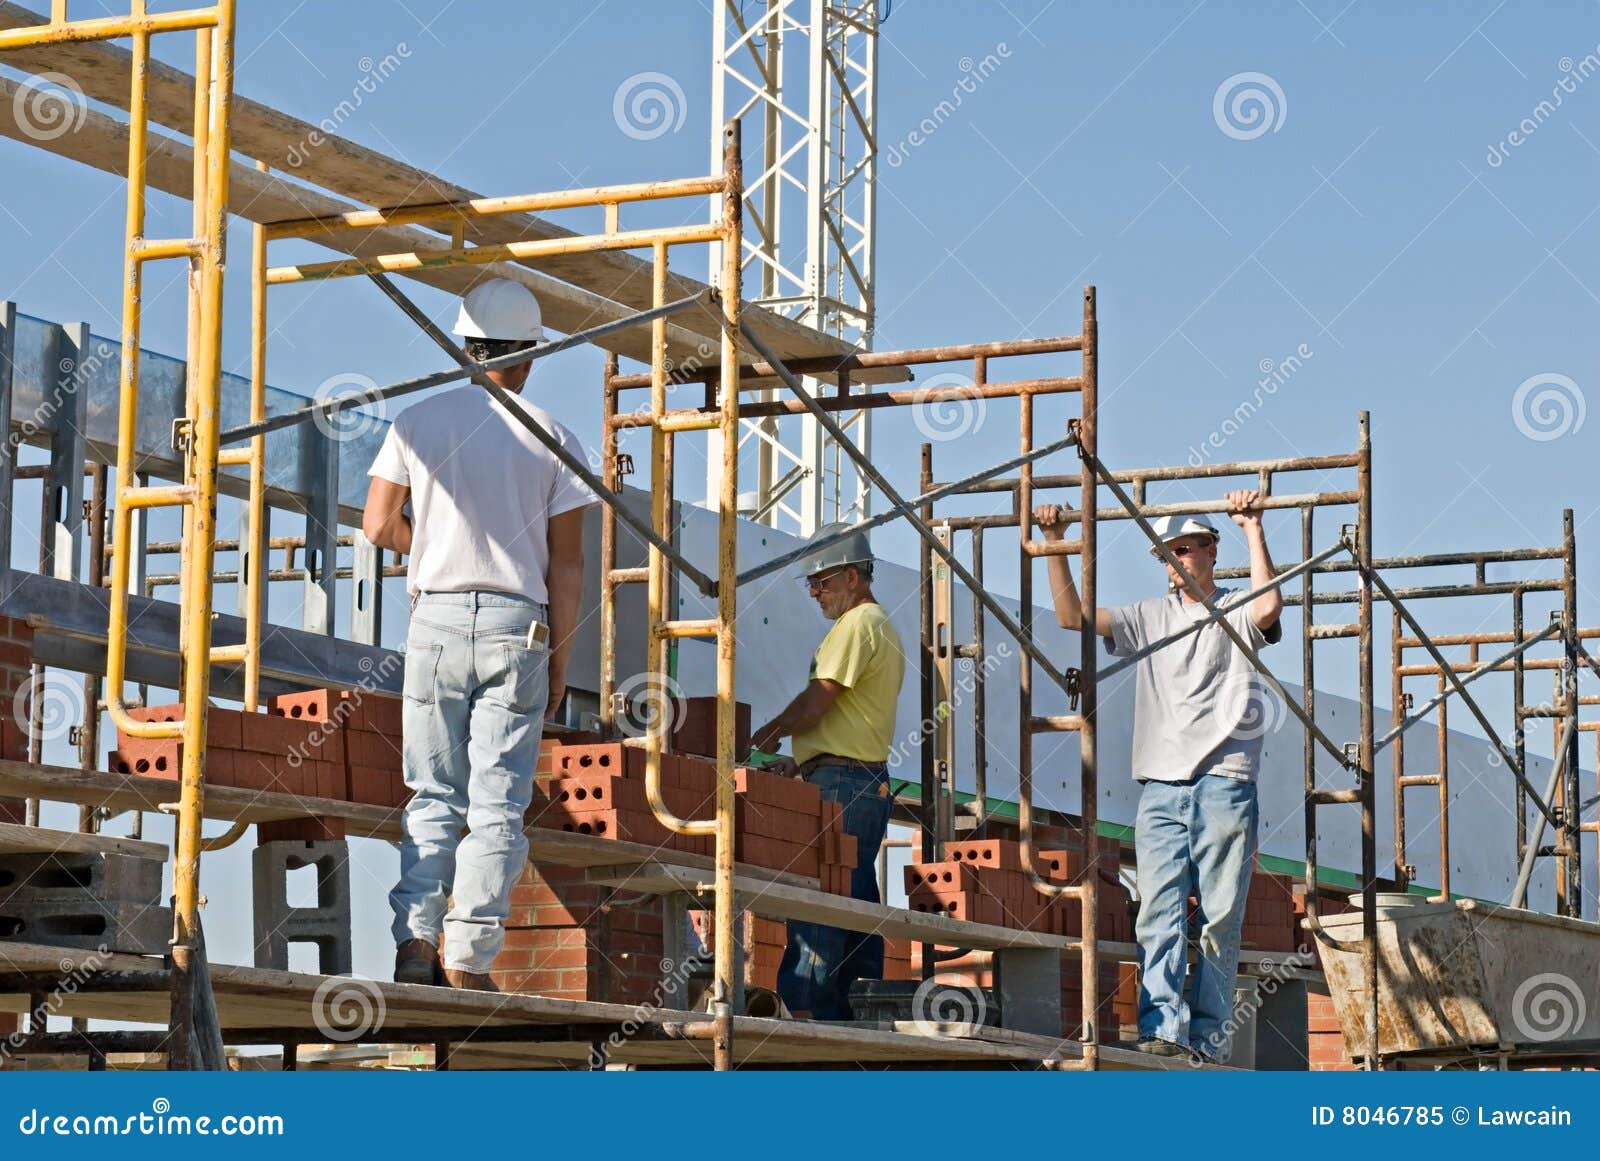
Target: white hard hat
{"type": "Point", "coordinates": [500, 309]}
{"type": "Point", "coordinates": [1169, 528]}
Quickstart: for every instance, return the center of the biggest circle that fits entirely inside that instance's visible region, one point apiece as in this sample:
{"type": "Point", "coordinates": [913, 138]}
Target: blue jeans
{"type": "Point", "coordinates": [821, 963]}
{"type": "Point", "coordinates": [1196, 837]}
{"type": "Point", "coordinates": [474, 710]}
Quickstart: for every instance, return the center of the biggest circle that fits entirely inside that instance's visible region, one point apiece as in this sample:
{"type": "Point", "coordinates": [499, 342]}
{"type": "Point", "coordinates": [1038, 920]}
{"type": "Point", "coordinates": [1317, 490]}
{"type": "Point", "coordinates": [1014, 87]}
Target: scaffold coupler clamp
{"type": "Point", "coordinates": [1352, 755]}
{"type": "Point", "coordinates": [1350, 537]}
{"type": "Point", "coordinates": [1075, 430]}
{"type": "Point", "coordinates": [1074, 687]}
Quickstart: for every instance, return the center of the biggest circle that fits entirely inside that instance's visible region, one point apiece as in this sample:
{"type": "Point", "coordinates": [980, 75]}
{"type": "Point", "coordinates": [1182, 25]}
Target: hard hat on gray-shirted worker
{"type": "Point", "coordinates": [1170, 528]}
{"type": "Point", "coordinates": [855, 549]}
{"type": "Point", "coordinates": [500, 310]}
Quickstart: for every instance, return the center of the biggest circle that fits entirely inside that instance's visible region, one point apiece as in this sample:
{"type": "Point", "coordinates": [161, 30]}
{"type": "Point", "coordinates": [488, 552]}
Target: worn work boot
{"type": "Point", "coordinates": [416, 961]}
{"type": "Point", "coordinates": [469, 981]}
{"type": "Point", "coordinates": [1154, 1046]}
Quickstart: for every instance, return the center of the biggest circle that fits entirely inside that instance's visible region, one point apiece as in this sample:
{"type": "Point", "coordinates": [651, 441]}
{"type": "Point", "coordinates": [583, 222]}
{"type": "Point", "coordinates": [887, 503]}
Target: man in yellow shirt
{"type": "Point", "coordinates": [842, 724]}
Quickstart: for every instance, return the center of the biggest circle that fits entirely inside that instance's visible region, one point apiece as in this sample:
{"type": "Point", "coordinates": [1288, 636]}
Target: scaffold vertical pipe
{"type": "Point", "coordinates": [1369, 836]}
{"type": "Point", "coordinates": [1570, 841]}
{"type": "Point", "coordinates": [1399, 708]}
{"type": "Point", "coordinates": [608, 550]}
{"type": "Point", "coordinates": [253, 540]}
{"type": "Point", "coordinates": [201, 131]}
{"type": "Point", "coordinates": [1519, 738]}
{"type": "Point", "coordinates": [128, 388]}
{"type": "Point", "coordinates": [1088, 733]}
{"type": "Point", "coordinates": [727, 594]}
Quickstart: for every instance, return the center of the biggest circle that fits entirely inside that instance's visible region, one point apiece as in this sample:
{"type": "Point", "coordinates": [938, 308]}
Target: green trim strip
{"type": "Point", "coordinates": [911, 793]}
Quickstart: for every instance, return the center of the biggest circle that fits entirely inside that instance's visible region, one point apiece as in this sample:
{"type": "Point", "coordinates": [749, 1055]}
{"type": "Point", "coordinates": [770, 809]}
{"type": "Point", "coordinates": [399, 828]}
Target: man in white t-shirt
{"type": "Point", "coordinates": [1198, 721]}
{"type": "Point", "coordinates": [495, 538]}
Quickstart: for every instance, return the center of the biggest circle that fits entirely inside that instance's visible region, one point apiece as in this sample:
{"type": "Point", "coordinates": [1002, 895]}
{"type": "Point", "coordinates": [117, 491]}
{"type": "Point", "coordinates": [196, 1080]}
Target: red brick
{"type": "Point", "coordinates": [300, 830]}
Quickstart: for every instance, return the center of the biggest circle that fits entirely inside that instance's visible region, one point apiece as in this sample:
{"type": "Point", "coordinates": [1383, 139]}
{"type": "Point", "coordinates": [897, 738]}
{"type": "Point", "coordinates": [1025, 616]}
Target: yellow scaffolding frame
{"type": "Point", "coordinates": [724, 232]}
{"type": "Point", "coordinates": [196, 434]}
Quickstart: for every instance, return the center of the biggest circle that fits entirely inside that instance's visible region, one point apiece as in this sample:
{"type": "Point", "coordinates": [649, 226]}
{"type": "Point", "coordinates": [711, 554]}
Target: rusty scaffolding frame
{"type": "Point", "coordinates": [939, 646]}
{"type": "Point", "coordinates": [1352, 554]}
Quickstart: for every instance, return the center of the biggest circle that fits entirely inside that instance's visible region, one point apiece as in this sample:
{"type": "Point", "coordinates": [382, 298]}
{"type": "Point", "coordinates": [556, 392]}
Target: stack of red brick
{"type": "Point", "coordinates": [781, 823]}
{"type": "Point", "coordinates": [371, 726]}
{"type": "Point", "coordinates": [1326, 1050]}
{"type": "Point", "coordinates": [319, 744]}
{"type": "Point", "coordinates": [250, 751]}
{"type": "Point", "coordinates": [570, 939]}
{"type": "Point", "coordinates": [986, 882]}
{"type": "Point", "coordinates": [1270, 922]}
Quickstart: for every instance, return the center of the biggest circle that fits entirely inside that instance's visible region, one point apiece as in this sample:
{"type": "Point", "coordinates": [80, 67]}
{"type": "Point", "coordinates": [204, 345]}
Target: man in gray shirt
{"type": "Point", "coordinates": [1199, 716]}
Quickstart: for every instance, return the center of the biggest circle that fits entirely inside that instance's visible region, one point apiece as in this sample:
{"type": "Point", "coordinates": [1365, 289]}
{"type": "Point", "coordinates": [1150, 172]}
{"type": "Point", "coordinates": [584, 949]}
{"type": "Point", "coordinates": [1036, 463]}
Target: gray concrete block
{"type": "Point", "coordinates": [326, 925]}
{"type": "Point", "coordinates": [86, 875]}
{"type": "Point", "coordinates": [137, 928]}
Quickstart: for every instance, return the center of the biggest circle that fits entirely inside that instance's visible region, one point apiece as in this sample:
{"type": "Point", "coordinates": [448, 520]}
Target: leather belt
{"type": "Point", "coordinates": [812, 763]}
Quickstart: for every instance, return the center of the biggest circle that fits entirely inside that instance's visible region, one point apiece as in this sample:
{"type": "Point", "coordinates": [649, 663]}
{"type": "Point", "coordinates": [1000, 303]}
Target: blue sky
{"type": "Point", "coordinates": [1366, 227]}
{"type": "Point", "coordinates": [1366, 232]}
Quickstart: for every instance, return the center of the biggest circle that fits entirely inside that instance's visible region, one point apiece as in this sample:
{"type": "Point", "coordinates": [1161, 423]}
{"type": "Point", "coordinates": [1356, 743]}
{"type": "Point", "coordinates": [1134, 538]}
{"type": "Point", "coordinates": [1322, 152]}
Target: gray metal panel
{"type": "Point", "coordinates": [366, 593]}
{"type": "Point", "coordinates": [161, 388]}
{"type": "Point", "coordinates": [74, 634]}
{"type": "Point", "coordinates": [322, 535]}
{"type": "Point", "coordinates": [64, 416]}
{"type": "Point", "coordinates": [8, 454]}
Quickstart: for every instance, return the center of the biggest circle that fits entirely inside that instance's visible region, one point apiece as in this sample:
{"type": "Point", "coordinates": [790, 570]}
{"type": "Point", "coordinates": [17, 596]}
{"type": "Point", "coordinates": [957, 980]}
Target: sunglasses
{"type": "Point", "coordinates": [815, 583]}
{"type": "Point", "coordinates": [1181, 550]}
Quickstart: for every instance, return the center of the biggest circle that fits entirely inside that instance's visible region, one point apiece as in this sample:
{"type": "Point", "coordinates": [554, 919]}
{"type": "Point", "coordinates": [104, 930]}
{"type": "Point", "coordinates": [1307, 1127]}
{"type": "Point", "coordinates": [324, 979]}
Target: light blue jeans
{"type": "Point", "coordinates": [474, 710]}
{"type": "Point", "coordinates": [1196, 837]}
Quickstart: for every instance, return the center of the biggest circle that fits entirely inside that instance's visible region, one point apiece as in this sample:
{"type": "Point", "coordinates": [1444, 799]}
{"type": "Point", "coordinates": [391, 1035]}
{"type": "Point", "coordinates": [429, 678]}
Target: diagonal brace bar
{"type": "Point", "coordinates": [1449, 671]}
{"type": "Point", "coordinates": [1472, 675]}
{"type": "Point", "coordinates": [1519, 895]}
{"type": "Point", "coordinates": [479, 375]}
{"type": "Point", "coordinates": [905, 508]}
{"type": "Point", "coordinates": [1278, 581]}
{"type": "Point", "coordinates": [706, 298]}
{"type": "Point", "coordinates": [867, 468]}
{"type": "Point", "coordinates": [1093, 463]}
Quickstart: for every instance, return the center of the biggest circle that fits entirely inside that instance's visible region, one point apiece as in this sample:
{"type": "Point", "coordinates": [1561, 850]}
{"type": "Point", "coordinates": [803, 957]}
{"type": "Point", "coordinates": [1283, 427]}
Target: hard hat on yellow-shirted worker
{"type": "Point", "coordinates": [855, 549]}
{"type": "Point", "coordinates": [1170, 528]}
{"type": "Point", "coordinates": [502, 310]}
